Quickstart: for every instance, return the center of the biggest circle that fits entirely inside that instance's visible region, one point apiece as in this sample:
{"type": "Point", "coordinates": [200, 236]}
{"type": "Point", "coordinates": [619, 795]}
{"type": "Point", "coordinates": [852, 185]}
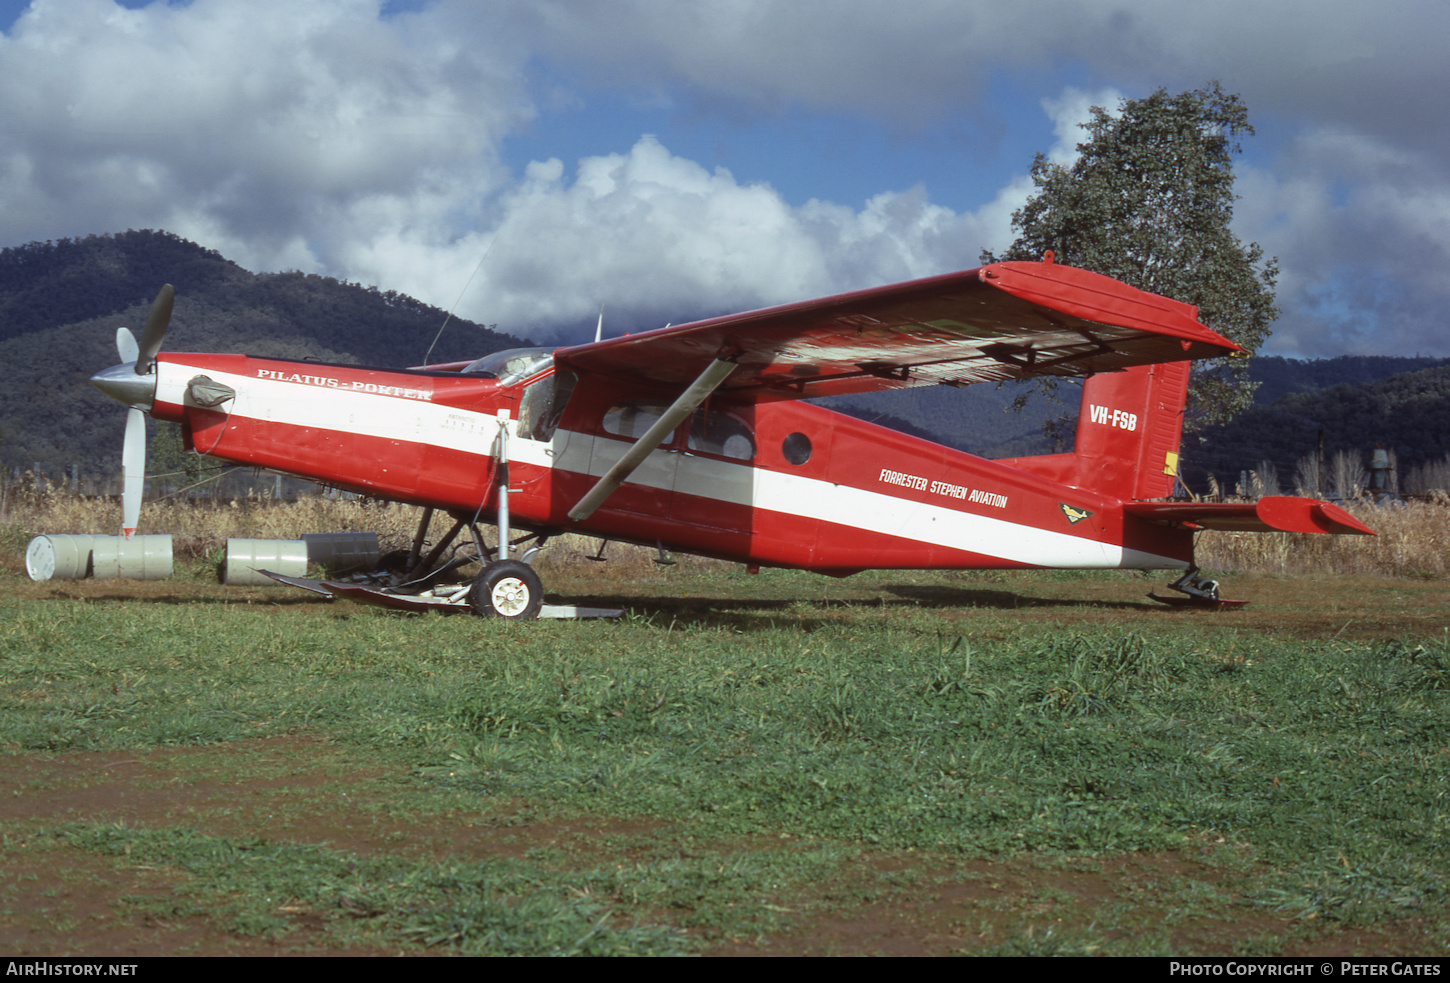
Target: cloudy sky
{"type": "Point", "coordinates": [532, 160]}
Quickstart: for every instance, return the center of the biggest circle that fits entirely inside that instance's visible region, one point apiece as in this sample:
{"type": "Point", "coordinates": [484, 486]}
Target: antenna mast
{"type": "Point", "coordinates": [462, 292]}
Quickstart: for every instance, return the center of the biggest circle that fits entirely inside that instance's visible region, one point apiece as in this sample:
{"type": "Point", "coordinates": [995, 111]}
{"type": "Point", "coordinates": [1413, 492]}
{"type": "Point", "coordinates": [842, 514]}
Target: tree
{"type": "Point", "coordinates": [1148, 201]}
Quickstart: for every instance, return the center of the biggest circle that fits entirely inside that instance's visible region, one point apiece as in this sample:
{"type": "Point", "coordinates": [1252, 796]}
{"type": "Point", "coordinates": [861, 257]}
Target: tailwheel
{"type": "Point", "coordinates": [507, 589]}
{"type": "Point", "coordinates": [1196, 587]}
{"type": "Point", "coordinates": [1198, 592]}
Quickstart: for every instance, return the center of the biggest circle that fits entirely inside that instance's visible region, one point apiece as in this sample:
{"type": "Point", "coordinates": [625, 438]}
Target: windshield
{"type": "Point", "coordinates": [513, 364]}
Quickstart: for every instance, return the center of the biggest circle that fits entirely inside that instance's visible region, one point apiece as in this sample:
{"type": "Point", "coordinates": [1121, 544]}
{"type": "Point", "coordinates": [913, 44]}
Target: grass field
{"type": "Point", "coordinates": [1020, 763]}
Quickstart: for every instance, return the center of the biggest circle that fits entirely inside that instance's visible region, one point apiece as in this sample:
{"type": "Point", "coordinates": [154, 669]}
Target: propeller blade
{"type": "Point", "coordinates": [155, 331]}
{"type": "Point", "coordinates": [126, 345]}
{"type": "Point", "coordinates": [133, 471]}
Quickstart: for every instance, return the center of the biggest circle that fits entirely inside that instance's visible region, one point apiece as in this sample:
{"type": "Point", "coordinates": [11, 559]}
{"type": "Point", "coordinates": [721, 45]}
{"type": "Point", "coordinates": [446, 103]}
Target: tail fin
{"type": "Point", "coordinates": [1129, 427]}
{"type": "Point", "coordinates": [1128, 431]}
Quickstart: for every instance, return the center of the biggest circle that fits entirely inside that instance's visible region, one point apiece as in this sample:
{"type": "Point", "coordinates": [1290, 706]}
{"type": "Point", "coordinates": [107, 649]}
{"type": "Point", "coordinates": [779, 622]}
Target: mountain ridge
{"type": "Point", "coordinates": [61, 302]}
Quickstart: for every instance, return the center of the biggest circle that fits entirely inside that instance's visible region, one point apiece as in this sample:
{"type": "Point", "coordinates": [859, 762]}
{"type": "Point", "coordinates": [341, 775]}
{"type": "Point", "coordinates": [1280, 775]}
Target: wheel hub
{"type": "Point", "coordinates": [510, 596]}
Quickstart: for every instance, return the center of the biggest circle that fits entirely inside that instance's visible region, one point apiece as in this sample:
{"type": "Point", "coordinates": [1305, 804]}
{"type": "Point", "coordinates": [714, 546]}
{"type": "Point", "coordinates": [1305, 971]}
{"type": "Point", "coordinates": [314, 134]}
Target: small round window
{"type": "Point", "coordinates": [796, 448]}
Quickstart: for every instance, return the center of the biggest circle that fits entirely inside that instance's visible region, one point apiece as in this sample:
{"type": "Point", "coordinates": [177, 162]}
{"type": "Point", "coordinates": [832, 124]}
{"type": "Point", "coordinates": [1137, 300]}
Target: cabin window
{"type": "Point", "coordinates": [713, 432]}
{"type": "Point", "coordinates": [633, 419]}
{"type": "Point", "coordinates": [796, 448]}
{"type": "Point", "coordinates": [543, 405]}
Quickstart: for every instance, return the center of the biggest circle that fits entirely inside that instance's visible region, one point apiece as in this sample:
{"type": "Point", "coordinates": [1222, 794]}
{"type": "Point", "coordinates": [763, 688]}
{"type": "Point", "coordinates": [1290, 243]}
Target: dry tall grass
{"type": "Point", "coordinates": [1413, 540]}
{"type": "Point", "coordinates": [200, 528]}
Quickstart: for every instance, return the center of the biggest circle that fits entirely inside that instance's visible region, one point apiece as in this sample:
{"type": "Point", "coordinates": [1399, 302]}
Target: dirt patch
{"type": "Point", "coordinates": [300, 789]}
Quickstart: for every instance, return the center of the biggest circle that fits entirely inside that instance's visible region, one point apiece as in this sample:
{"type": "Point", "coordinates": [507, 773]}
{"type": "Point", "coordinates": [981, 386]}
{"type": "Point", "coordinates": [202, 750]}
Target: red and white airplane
{"type": "Point", "coordinates": [696, 438]}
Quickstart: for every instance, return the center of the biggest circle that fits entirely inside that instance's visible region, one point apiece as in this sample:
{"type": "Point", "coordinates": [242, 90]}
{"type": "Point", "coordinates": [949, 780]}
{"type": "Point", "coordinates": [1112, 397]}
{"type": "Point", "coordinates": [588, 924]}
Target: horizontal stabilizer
{"type": "Point", "coordinates": [1277, 513]}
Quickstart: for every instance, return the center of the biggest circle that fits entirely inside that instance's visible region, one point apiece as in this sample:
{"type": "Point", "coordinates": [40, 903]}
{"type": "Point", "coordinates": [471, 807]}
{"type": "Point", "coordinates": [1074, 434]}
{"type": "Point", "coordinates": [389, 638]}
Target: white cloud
{"type": "Point", "coordinates": [654, 236]}
{"type": "Point", "coordinates": [1327, 59]}
{"type": "Point", "coordinates": [1069, 111]}
{"type": "Point", "coordinates": [1361, 84]}
{"type": "Point", "coordinates": [255, 119]}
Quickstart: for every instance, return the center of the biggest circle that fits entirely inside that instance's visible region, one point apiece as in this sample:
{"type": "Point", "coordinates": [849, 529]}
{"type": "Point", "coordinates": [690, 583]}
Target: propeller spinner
{"type": "Point", "coordinates": [133, 383]}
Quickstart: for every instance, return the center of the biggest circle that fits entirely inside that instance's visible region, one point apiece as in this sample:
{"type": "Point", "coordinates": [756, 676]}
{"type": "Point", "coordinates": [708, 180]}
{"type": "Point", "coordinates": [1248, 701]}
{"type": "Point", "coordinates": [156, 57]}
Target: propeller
{"type": "Point", "coordinates": [137, 395]}
{"type": "Point", "coordinates": [133, 471]}
{"type": "Point", "coordinates": [155, 331]}
{"type": "Point", "coordinates": [126, 345]}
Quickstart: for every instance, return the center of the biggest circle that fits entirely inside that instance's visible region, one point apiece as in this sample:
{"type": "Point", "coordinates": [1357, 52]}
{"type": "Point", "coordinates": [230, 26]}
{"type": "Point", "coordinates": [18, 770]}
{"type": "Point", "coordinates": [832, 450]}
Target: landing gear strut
{"type": "Point", "coordinates": [507, 588]}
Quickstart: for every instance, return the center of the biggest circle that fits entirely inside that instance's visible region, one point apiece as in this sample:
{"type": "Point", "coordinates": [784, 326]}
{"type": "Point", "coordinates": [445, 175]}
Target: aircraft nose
{"type": "Point", "coordinates": [122, 384]}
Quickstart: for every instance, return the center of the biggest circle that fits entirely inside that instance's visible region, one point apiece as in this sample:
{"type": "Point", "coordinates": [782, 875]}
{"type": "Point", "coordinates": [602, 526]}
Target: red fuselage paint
{"type": "Point", "coordinates": [792, 485]}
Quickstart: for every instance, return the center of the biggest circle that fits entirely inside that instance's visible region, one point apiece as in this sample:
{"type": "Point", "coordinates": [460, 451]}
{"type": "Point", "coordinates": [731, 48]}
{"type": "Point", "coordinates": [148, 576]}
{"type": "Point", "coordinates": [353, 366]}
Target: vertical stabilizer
{"type": "Point", "coordinates": [1128, 430]}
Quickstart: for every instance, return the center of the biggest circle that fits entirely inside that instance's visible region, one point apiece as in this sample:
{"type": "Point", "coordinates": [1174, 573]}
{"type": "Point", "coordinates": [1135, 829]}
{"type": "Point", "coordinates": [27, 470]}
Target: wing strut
{"type": "Point", "coordinates": [708, 381]}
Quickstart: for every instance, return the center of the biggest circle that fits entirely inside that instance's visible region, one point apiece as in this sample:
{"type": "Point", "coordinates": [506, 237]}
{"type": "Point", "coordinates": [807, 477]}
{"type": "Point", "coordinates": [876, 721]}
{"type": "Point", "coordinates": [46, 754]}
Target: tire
{"type": "Point", "coordinates": [507, 589]}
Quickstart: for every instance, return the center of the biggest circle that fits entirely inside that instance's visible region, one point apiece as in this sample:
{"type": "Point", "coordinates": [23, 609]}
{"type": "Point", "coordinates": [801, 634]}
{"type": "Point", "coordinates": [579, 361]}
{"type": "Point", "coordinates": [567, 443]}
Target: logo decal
{"type": "Point", "coordinates": [1074, 516]}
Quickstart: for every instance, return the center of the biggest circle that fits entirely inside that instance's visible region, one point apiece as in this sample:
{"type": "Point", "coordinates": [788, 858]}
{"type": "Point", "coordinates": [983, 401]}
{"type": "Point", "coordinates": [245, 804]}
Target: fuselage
{"type": "Point", "coordinates": [781, 483]}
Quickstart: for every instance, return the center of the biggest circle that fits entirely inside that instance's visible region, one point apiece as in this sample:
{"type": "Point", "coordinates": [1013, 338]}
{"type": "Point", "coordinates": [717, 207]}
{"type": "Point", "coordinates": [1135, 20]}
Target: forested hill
{"type": "Point", "coordinates": [1278, 377]}
{"type": "Point", "coordinates": [1408, 413]}
{"type": "Point", "coordinates": [61, 302]}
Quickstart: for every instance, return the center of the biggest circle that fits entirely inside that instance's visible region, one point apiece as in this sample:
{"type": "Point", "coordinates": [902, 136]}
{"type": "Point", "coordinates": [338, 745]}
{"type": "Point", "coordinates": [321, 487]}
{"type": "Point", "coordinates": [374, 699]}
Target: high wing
{"type": "Point", "coordinates": [1004, 321]}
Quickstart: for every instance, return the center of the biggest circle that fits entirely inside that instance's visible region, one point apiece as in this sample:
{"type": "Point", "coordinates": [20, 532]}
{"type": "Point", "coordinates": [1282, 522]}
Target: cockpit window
{"type": "Point", "coordinates": [513, 364]}
{"type": "Point", "coordinates": [542, 406]}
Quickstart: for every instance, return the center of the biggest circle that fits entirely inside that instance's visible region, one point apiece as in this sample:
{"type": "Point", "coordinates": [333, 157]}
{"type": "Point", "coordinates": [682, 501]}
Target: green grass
{"type": "Point", "coordinates": [772, 747]}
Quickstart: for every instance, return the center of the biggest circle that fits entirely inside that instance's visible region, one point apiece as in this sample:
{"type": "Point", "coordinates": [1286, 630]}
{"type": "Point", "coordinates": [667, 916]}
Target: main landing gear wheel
{"type": "Point", "coordinates": [507, 589]}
